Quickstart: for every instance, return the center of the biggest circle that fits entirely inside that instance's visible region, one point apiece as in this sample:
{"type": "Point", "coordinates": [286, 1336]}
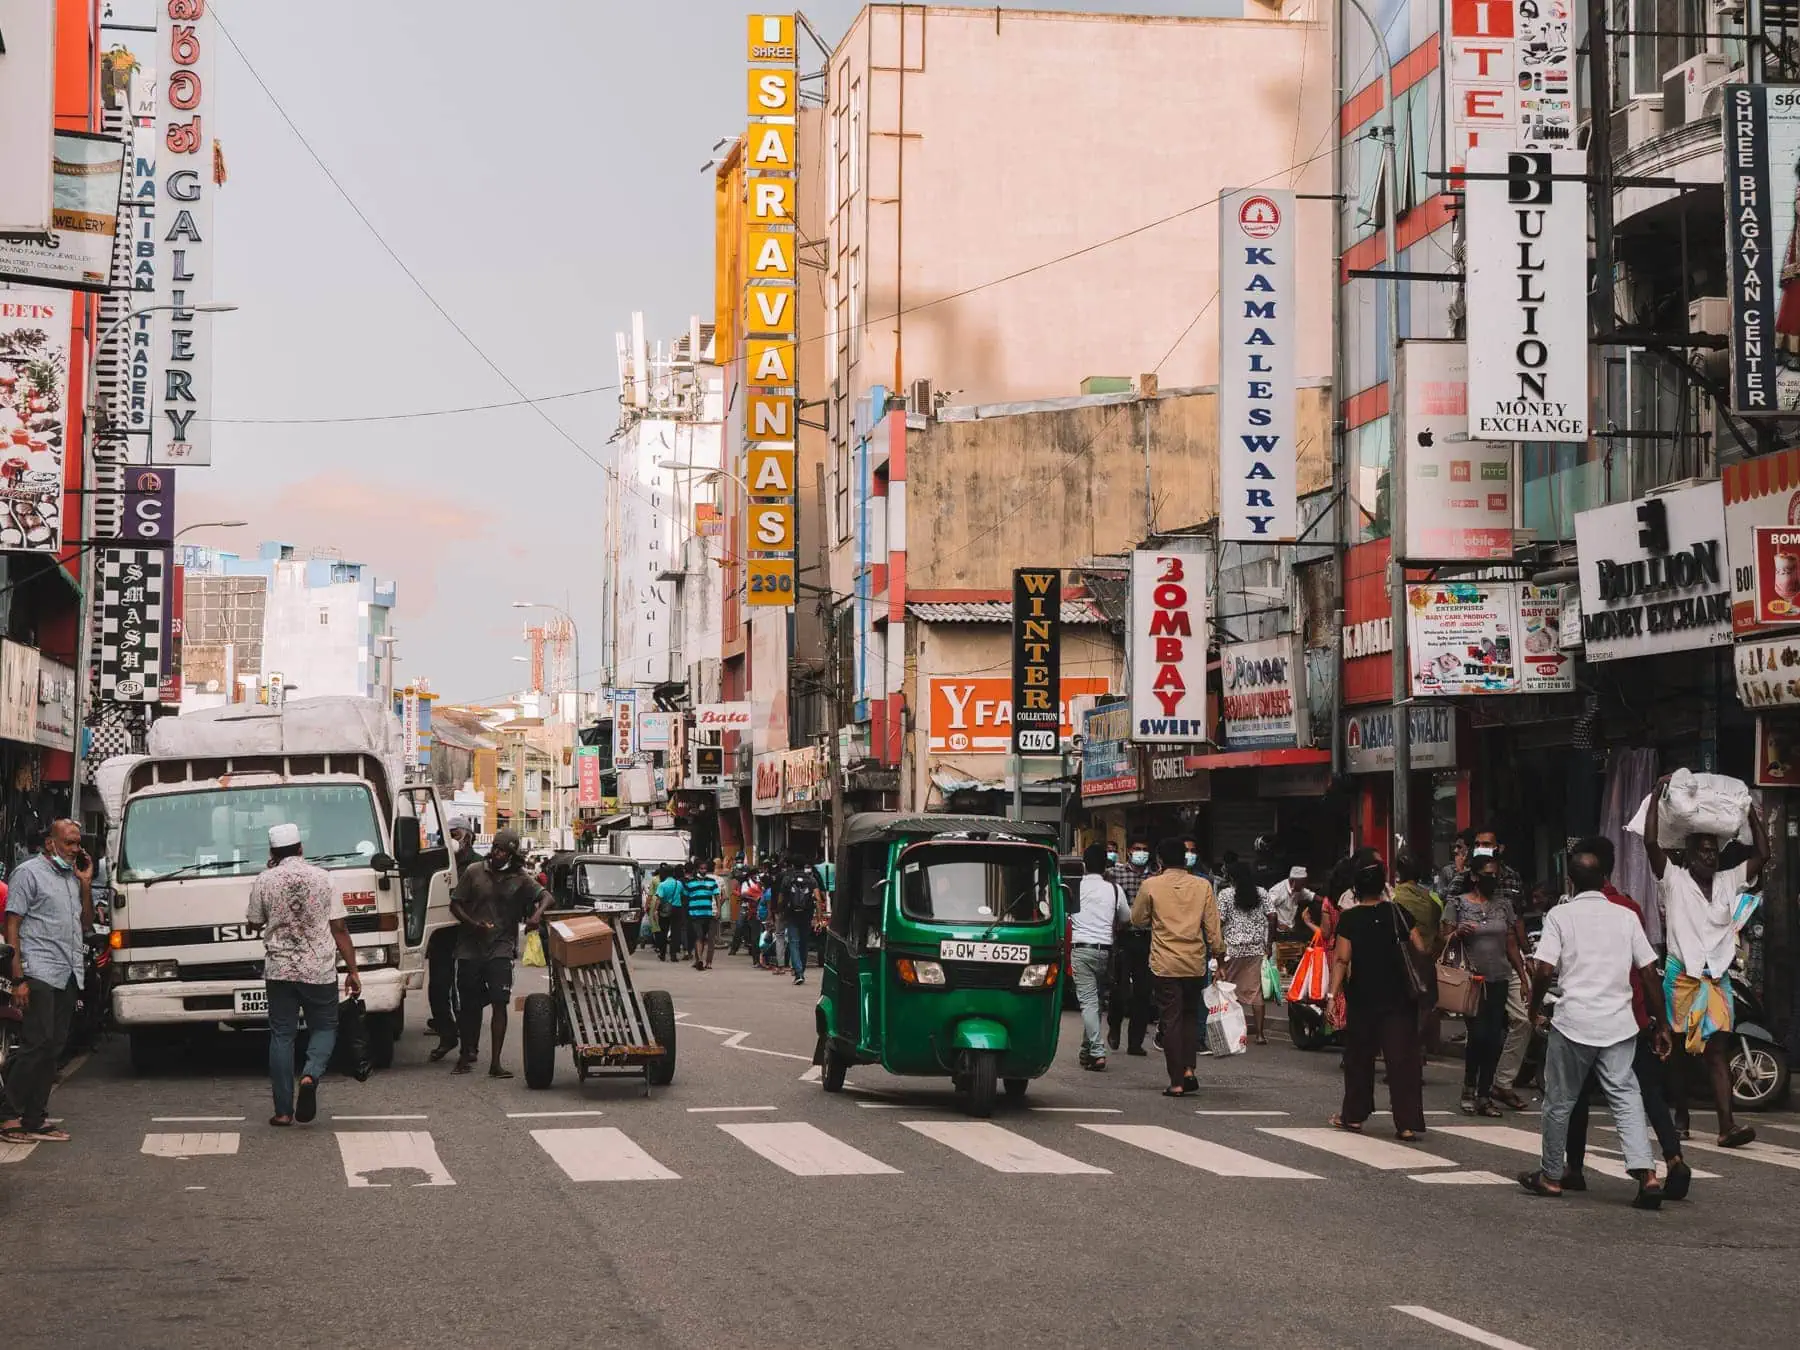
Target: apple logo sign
{"type": "Point", "coordinates": [1425, 439]}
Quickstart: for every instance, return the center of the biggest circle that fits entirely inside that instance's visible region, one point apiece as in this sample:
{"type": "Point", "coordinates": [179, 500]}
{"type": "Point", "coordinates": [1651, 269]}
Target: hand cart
{"type": "Point", "coordinates": [598, 1012]}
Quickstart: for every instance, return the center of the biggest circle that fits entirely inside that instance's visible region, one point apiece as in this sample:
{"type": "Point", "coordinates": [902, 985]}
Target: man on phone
{"type": "Point", "coordinates": [490, 900]}
{"type": "Point", "coordinates": [49, 905]}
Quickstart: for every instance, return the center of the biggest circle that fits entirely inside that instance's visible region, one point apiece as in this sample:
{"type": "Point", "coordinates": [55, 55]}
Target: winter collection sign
{"type": "Point", "coordinates": [1258, 496]}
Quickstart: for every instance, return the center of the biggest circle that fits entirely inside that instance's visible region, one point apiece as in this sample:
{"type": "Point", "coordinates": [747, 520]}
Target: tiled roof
{"type": "Point", "coordinates": [996, 611]}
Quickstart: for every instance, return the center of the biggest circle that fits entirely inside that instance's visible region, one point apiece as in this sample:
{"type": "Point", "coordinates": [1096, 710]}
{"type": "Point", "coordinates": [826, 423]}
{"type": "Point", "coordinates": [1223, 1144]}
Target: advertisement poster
{"type": "Point", "coordinates": [587, 775]}
{"type": "Point", "coordinates": [974, 714]}
{"type": "Point", "coordinates": [1462, 638]}
{"type": "Point", "coordinates": [1768, 672]}
{"type": "Point", "coordinates": [132, 597]}
{"type": "Point", "coordinates": [1777, 575]}
{"type": "Point", "coordinates": [1509, 75]}
{"type": "Point", "coordinates": [1762, 197]}
{"type": "Point", "coordinates": [1259, 679]}
{"type": "Point", "coordinates": [1109, 766]}
{"type": "Point", "coordinates": [1037, 660]}
{"type": "Point", "coordinates": [1778, 750]}
{"type": "Point", "coordinates": [656, 731]}
{"type": "Point", "coordinates": [625, 742]}
{"type": "Point", "coordinates": [1166, 647]}
{"type": "Point", "coordinates": [1459, 492]}
{"type": "Point", "coordinates": [1527, 295]}
{"type": "Point", "coordinates": [18, 691]}
{"type": "Point", "coordinates": [84, 222]}
{"type": "Point", "coordinates": [55, 724]}
{"type": "Point", "coordinates": [1258, 468]}
{"type": "Point", "coordinates": [1760, 492]}
{"type": "Point", "coordinates": [1545, 666]}
{"type": "Point", "coordinates": [34, 401]}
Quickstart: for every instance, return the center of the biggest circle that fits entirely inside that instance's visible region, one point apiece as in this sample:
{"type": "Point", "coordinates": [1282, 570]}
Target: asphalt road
{"type": "Point", "coordinates": [742, 1206]}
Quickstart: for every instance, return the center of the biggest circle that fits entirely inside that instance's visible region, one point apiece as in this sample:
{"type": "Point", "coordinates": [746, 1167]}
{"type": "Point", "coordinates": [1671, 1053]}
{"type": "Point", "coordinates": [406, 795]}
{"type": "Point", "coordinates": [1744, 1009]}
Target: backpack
{"type": "Point", "coordinates": [798, 894]}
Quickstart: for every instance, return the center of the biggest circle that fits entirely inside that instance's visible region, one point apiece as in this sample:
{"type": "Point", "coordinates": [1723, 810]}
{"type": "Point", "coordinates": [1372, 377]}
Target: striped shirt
{"type": "Point", "coordinates": [701, 896]}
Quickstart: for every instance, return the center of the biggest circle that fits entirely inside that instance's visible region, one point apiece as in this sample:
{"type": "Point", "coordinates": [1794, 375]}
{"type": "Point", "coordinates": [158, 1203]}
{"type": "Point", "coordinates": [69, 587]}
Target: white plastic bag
{"type": "Point", "coordinates": [1227, 1029]}
{"type": "Point", "coordinates": [1698, 803]}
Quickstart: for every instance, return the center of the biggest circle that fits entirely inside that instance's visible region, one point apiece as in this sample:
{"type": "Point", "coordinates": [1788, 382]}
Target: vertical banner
{"type": "Point", "coordinates": [1762, 198]}
{"type": "Point", "coordinates": [1527, 295]}
{"type": "Point", "coordinates": [184, 150]}
{"type": "Point", "coordinates": [1036, 661]}
{"type": "Point", "coordinates": [34, 416]}
{"type": "Point", "coordinates": [1509, 76]}
{"type": "Point", "coordinates": [625, 746]}
{"type": "Point", "coordinates": [1459, 492]}
{"type": "Point", "coordinates": [132, 609]}
{"type": "Point", "coordinates": [770, 310]}
{"type": "Point", "coordinates": [27, 114]}
{"type": "Point", "coordinates": [409, 729]}
{"type": "Point", "coordinates": [587, 776]}
{"type": "Point", "coordinates": [1167, 649]}
{"type": "Point", "coordinates": [150, 506]}
{"type": "Point", "coordinates": [1258, 494]}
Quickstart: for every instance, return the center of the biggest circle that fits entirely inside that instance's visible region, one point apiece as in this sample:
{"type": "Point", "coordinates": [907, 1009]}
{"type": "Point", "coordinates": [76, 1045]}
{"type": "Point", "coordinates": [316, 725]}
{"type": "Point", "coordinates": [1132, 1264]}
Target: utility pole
{"type": "Point", "coordinates": [833, 760]}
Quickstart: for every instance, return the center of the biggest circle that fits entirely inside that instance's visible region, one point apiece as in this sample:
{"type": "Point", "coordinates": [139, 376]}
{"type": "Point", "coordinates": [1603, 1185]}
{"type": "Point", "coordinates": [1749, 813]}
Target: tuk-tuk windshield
{"type": "Point", "coordinates": [975, 883]}
{"type": "Point", "coordinates": [607, 881]}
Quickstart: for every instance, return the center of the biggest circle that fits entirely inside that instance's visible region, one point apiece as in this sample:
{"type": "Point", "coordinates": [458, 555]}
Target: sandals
{"type": "Point", "coordinates": [439, 1051]}
{"type": "Point", "coordinates": [1650, 1192]}
{"type": "Point", "coordinates": [1467, 1102]}
{"type": "Point", "coordinates": [1175, 1091]}
{"type": "Point", "coordinates": [1190, 1085]}
{"type": "Point", "coordinates": [1408, 1136]}
{"type": "Point", "coordinates": [1096, 1065]}
{"type": "Point", "coordinates": [498, 1072]}
{"type": "Point", "coordinates": [1339, 1123]}
{"type": "Point", "coordinates": [1680, 1177]}
{"type": "Point", "coordinates": [1737, 1137]}
{"type": "Point", "coordinates": [1508, 1098]}
{"type": "Point", "coordinates": [308, 1104]}
{"type": "Point", "coordinates": [282, 1121]}
{"type": "Point", "coordinates": [464, 1066]}
{"type": "Point", "coordinates": [1540, 1185]}
{"type": "Point", "coordinates": [1574, 1181]}
{"type": "Point", "coordinates": [1485, 1107]}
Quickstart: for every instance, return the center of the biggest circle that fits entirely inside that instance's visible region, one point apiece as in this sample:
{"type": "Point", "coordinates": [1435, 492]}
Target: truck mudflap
{"type": "Point", "coordinates": [161, 1003]}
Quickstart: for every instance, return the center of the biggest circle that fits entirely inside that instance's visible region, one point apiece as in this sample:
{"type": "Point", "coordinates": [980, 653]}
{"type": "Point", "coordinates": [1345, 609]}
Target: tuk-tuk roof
{"type": "Point", "coordinates": [868, 827]}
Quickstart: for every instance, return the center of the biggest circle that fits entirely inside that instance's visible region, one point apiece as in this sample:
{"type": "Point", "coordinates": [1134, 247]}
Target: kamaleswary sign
{"type": "Point", "coordinates": [1037, 660]}
{"type": "Point", "coordinates": [1762, 197]}
{"type": "Point", "coordinates": [1258, 237]}
{"type": "Point", "coordinates": [1167, 649]}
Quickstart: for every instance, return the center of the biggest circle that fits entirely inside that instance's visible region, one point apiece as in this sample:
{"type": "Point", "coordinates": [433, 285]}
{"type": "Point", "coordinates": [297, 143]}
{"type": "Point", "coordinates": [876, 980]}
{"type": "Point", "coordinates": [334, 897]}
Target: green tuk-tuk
{"type": "Point", "coordinates": [944, 952]}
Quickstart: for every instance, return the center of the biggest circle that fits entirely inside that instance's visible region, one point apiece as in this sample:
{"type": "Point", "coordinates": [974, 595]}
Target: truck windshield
{"type": "Point", "coordinates": [609, 881]}
{"type": "Point", "coordinates": [976, 883]}
{"type": "Point", "coordinates": [225, 831]}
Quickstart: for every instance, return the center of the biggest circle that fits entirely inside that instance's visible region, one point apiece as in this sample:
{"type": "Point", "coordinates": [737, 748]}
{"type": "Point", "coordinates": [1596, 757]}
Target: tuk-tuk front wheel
{"type": "Point", "coordinates": [984, 1073]}
{"type": "Point", "coordinates": [832, 1068]}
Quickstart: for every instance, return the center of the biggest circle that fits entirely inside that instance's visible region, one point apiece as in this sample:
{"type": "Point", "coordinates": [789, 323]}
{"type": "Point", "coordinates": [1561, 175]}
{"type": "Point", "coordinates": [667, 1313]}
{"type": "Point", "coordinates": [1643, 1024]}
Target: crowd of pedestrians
{"type": "Point", "coordinates": [774, 913]}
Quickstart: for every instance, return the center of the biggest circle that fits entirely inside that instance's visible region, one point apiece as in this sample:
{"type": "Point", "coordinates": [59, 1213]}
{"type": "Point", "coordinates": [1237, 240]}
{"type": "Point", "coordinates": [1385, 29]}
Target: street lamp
{"type": "Point", "coordinates": [84, 618]}
{"type": "Point", "coordinates": [211, 525]}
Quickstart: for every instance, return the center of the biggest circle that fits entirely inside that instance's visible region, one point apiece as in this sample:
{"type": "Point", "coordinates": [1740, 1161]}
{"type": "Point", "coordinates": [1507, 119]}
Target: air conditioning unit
{"type": "Point", "coordinates": [919, 401]}
{"type": "Point", "coordinates": [1727, 11]}
{"type": "Point", "coordinates": [1710, 314]}
{"type": "Point", "coordinates": [1685, 88]}
{"type": "Point", "coordinates": [1640, 120]}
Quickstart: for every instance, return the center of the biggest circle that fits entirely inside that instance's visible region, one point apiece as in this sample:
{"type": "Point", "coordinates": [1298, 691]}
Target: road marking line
{"type": "Point", "coordinates": [1386, 1155]}
{"type": "Point", "coordinates": [600, 1153]}
{"type": "Point", "coordinates": [12, 1153]}
{"type": "Point", "coordinates": [1766, 1123]}
{"type": "Point", "coordinates": [1775, 1154]}
{"type": "Point", "coordinates": [549, 1115]}
{"type": "Point", "coordinates": [193, 1188]}
{"type": "Point", "coordinates": [1530, 1143]}
{"type": "Point", "coordinates": [811, 1075]}
{"type": "Point", "coordinates": [888, 1106]}
{"type": "Point", "coordinates": [194, 1120]}
{"type": "Point", "coordinates": [1463, 1329]}
{"type": "Point", "coordinates": [1240, 1113]}
{"type": "Point", "coordinates": [365, 1152]}
{"type": "Point", "coordinates": [1000, 1149]}
{"type": "Point", "coordinates": [780, 1054]}
{"type": "Point", "coordinates": [189, 1145]}
{"type": "Point", "coordinates": [1461, 1179]}
{"type": "Point", "coordinates": [807, 1151]}
{"type": "Point", "coordinates": [1423, 1113]}
{"type": "Point", "coordinates": [1200, 1153]}
{"type": "Point", "coordinates": [1078, 1110]}
{"type": "Point", "coordinates": [379, 1117]}
{"type": "Point", "coordinates": [722, 1110]}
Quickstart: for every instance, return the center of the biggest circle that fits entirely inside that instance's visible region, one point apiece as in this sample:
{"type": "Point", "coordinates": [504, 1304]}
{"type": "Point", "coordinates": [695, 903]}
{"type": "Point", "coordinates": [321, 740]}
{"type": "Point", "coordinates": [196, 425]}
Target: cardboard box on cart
{"type": "Point", "coordinates": [582, 940]}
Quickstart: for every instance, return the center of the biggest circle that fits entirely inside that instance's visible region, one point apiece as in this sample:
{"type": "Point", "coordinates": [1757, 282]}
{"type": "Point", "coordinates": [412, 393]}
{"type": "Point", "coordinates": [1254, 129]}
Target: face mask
{"type": "Point", "coordinates": [1112, 856]}
{"type": "Point", "coordinates": [1192, 859]}
{"type": "Point", "coordinates": [1487, 883]}
{"type": "Point", "coordinates": [62, 863]}
{"type": "Point", "coordinates": [1139, 857]}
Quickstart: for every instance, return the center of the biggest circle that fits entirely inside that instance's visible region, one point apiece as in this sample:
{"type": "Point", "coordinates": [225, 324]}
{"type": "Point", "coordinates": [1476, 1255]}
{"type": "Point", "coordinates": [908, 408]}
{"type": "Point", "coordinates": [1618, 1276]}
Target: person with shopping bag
{"type": "Point", "coordinates": [1373, 997]}
{"type": "Point", "coordinates": [1248, 926]}
{"type": "Point", "coordinates": [1182, 917]}
{"type": "Point", "coordinates": [1483, 926]}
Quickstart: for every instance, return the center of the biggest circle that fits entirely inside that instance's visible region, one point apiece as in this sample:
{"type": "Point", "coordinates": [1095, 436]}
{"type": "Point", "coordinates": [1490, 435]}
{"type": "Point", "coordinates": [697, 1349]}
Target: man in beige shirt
{"type": "Point", "coordinates": [1183, 918]}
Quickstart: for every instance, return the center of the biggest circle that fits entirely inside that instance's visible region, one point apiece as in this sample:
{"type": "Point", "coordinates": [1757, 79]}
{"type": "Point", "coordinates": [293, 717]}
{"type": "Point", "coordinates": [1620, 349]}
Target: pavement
{"type": "Point", "coordinates": [743, 1206]}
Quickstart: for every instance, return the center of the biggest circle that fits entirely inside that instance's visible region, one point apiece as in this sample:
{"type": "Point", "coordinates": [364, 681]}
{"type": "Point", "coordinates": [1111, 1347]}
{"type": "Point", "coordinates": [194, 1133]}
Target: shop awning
{"type": "Point", "coordinates": [1253, 759]}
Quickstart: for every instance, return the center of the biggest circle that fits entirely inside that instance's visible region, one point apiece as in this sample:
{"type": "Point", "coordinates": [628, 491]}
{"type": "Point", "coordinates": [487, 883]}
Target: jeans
{"type": "Point", "coordinates": [1131, 989]}
{"type": "Point", "coordinates": [1650, 1072]}
{"type": "Point", "coordinates": [1179, 1001]}
{"type": "Point", "coordinates": [1487, 1038]}
{"type": "Point", "coordinates": [796, 944]}
{"type": "Point", "coordinates": [1087, 967]}
{"type": "Point", "coordinates": [41, 1035]}
{"type": "Point", "coordinates": [1567, 1064]}
{"type": "Point", "coordinates": [745, 934]}
{"type": "Point", "coordinates": [286, 999]}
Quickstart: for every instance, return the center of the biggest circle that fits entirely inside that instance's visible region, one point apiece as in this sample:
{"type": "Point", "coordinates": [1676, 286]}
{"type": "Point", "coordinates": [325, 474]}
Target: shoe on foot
{"type": "Point", "coordinates": [1507, 1097]}
{"type": "Point", "coordinates": [1681, 1176]}
{"type": "Point", "coordinates": [307, 1106]}
{"type": "Point", "coordinates": [464, 1066]}
{"type": "Point", "coordinates": [1136, 1050]}
{"type": "Point", "coordinates": [1112, 1038]}
{"type": "Point", "coordinates": [1468, 1101]}
{"type": "Point", "coordinates": [1574, 1181]}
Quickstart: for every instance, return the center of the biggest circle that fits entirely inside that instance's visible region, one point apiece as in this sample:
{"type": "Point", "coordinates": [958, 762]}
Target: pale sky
{"type": "Point", "coordinates": [537, 166]}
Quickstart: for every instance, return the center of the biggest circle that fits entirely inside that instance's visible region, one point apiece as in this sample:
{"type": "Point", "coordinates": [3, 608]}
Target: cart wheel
{"type": "Point", "coordinates": [540, 1040]}
{"type": "Point", "coordinates": [832, 1068]}
{"type": "Point", "coordinates": [984, 1069]}
{"type": "Point", "coordinates": [659, 1008]}
{"type": "Point", "coordinates": [1015, 1088]}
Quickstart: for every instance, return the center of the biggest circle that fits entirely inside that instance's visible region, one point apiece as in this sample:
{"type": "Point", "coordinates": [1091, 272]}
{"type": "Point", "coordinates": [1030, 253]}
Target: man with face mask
{"type": "Point", "coordinates": [49, 905]}
{"type": "Point", "coordinates": [491, 899]}
{"type": "Point", "coordinates": [1131, 990]}
{"type": "Point", "coordinates": [1704, 906]}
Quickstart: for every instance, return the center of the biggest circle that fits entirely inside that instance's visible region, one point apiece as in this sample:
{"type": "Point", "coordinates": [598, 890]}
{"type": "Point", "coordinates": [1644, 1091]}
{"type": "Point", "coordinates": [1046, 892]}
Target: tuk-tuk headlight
{"type": "Point", "coordinates": [1038, 977]}
{"type": "Point", "coordinates": [919, 972]}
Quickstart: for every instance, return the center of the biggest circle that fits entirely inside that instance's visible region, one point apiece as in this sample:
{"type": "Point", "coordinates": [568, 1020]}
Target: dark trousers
{"type": "Point", "coordinates": [677, 924]}
{"type": "Point", "coordinates": [1650, 1071]}
{"type": "Point", "coordinates": [798, 930]}
{"type": "Point", "coordinates": [485, 982]}
{"type": "Point", "coordinates": [745, 933]}
{"type": "Point", "coordinates": [1130, 1000]}
{"type": "Point", "coordinates": [41, 1037]}
{"type": "Point", "coordinates": [440, 959]}
{"type": "Point", "coordinates": [1396, 1035]}
{"type": "Point", "coordinates": [1178, 1004]}
{"type": "Point", "coordinates": [1487, 1038]}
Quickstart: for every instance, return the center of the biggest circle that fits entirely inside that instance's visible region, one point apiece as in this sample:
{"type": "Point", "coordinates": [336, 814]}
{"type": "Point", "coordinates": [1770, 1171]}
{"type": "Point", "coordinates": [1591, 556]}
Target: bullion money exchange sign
{"type": "Point", "coordinates": [1258, 499]}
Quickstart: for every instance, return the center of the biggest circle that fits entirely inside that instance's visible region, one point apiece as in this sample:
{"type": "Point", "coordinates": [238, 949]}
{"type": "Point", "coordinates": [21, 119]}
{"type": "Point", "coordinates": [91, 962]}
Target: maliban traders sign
{"type": "Point", "coordinates": [1258, 497]}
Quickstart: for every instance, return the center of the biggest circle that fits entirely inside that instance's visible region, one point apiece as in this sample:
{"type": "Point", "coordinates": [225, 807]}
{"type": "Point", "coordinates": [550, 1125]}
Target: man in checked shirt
{"type": "Point", "coordinates": [1130, 1001]}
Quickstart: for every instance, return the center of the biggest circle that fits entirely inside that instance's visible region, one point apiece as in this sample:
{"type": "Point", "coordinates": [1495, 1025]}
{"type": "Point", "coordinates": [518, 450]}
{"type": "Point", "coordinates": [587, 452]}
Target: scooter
{"type": "Point", "coordinates": [1759, 1062]}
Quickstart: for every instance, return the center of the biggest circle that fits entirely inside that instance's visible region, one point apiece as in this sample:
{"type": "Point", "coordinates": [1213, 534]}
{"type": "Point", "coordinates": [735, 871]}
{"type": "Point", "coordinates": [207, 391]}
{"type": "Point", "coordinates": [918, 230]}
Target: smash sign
{"type": "Point", "coordinates": [1258, 500]}
{"type": "Point", "coordinates": [1168, 647]}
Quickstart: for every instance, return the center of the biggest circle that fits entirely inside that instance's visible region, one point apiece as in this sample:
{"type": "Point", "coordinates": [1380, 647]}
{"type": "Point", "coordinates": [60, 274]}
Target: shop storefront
{"type": "Point", "coordinates": [791, 802]}
{"type": "Point", "coordinates": [37, 721]}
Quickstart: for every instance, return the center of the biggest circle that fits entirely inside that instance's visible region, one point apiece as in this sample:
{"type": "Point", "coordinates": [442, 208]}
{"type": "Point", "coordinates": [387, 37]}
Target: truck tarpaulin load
{"type": "Point", "coordinates": [188, 834]}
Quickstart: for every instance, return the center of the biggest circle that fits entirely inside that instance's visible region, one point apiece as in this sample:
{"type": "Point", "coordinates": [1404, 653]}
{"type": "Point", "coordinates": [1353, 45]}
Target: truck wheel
{"type": "Point", "coordinates": [146, 1052]}
{"type": "Point", "coordinates": [984, 1069]}
{"type": "Point", "coordinates": [832, 1069]}
{"type": "Point", "coordinates": [383, 1028]}
{"type": "Point", "coordinates": [659, 1010]}
{"type": "Point", "coordinates": [540, 1040]}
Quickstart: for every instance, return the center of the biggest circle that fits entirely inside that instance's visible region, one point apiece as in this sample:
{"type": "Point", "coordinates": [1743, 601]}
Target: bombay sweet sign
{"type": "Point", "coordinates": [1166, 647]}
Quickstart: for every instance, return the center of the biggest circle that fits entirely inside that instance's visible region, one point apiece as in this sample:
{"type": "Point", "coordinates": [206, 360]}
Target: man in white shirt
{"type": "Point", "coordinates": [1591, 946]}
{"type": "Point", "coordinates": [1091, 932]}
{"type": "Point", "coordinates": [1287, 897]}
{"type": "Point", "coordinates": [1705, 903]}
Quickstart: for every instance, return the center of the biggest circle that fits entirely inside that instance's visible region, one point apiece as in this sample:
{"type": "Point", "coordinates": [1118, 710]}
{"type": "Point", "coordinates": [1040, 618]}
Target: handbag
{"type": "Point", "coordinates": [1421, 979]}
{"type": "Point", "coordinates": [1458, 987]}
{"type": "Point", "coordinates": [1271, 980]}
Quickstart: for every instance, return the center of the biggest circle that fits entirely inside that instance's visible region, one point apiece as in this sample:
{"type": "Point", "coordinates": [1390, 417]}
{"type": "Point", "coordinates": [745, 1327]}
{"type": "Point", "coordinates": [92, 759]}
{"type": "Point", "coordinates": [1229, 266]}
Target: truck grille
{"type": "Point", "coordinates": [224, 970]}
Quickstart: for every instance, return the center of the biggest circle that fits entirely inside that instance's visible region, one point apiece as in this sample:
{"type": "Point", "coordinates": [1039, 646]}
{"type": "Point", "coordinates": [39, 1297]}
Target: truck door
{"type": "Point", "coordinates": [425, 879]}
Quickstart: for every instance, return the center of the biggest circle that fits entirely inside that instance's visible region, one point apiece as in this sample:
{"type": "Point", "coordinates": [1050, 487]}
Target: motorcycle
{"type": "Point", "coordinates": [93, 1007]}
{"type": "Point", "coordinates": [10, 1017]}
{"type": "Point", "coordinates": [1759, 1062]}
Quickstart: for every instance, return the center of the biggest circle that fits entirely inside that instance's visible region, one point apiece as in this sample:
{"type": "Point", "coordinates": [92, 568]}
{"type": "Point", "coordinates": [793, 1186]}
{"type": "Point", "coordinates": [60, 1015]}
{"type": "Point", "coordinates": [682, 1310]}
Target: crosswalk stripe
{"type": "Point", "coordinates": [1386, 1155]}
{"type": "Point", "coordinates": [1000, 1149]}
{"type": "Point", "coordinates": [1200, 1153]}
{"type": "Point", "coordinates": [1460, 1178]}
{"type": "Point", "coordinates": [806, 1150]}
{"type": "Point", "coordinates": [1528, 1142]}
{"type": "Point", "coordinates": [1775, 1154]}
{"type": "Point", "coordinates": [190, 1145]}
{"type": "Point", "coordinates": [12, 1153]}
{"type": "Point", "coordinates": [367, 1153]}
{"type": "Point", "coordinates": [600, 1153]}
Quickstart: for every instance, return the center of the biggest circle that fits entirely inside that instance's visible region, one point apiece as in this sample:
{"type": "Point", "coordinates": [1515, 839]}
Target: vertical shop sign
{"type": "Point", "coordinates": [185, 153]}
{"type": "Point", "coordinates": [1762, 189]}
{"type": "Point", "coordinates": [1167, 651]}
{"type": "Point", "coordinates": [587, 775]}
{"type": "Point", "coordinates": [1036, 660]}
{"type": "Point", "coordinates": [625, 746]}
{"type": "Point", "coordinates": [1508, 76]}
{"type": "Point", "coordinates": [1459, 492]}
{"type": "Point", "coordinates": [1258, 471]}
{"type": "Point", "coordinates": [132, 596]}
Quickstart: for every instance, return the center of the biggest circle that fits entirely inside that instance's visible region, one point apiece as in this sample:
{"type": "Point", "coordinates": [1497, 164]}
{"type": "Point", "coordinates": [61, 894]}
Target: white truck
{"type": "Point", "coordinates": [188, 834]}
{"type": "Point", "coordinates": [650, 847]}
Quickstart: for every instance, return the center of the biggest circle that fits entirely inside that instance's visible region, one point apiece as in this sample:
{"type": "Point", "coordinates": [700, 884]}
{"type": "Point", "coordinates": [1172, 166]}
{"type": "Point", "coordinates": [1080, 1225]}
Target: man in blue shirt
{"type": "Point", "coordinates": [49, 906]}
{"type": "Point", "coordinates": [670, 915]}
{"type": "Point", "coordinates": [700, 896]}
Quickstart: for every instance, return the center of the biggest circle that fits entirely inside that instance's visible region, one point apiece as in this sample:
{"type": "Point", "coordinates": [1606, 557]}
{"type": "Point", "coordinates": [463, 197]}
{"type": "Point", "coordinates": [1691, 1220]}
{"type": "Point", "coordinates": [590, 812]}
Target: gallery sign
{"type": "Point", "coordinates": [1762, 145]}
{"type": "Point", "coordinates": [1036, 660]}
{"type": "Point", "coordinates": [1653, 575]}
{"type": "Point", "coordinates": [1459, 492]}
{"type": "Point", "coordinates": [1369, 738]}
{"type": "Point", "coordinates": [1166, 647]}
{"type": "Point", "coordinates": [1527, 295]}
{"type": "Point", "coordinates": [1258, 467]}
{"type": "Point", "coordinates": [1261, 682]}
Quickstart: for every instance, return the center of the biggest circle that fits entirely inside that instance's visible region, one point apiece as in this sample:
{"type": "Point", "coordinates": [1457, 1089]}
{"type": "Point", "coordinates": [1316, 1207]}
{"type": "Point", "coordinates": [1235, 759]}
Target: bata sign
{"type": "Point", "coordinates": [722, 717]}
{"type": "Point", "coordinates": [1260, 703]}
{"type": "Point", "coordinates": [1168, 647]}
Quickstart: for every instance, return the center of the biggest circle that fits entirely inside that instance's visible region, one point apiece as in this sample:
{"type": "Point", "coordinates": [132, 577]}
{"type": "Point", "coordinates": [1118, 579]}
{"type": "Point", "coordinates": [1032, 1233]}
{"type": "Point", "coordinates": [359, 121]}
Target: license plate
{"type": "Point", "coordinates": [250, 1001]}
{"type": "Point", "coordinates": [1004, 953]}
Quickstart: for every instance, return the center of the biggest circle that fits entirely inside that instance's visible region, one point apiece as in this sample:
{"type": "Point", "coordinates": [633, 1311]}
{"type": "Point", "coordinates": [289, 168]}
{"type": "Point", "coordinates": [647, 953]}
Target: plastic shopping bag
{"type": "Point", "coordinates": [534, 949]}
{"type": "Point", "coordinates": [1698, 803]}
{"type": "Point", "coordinates": [1312, 977]}
{"type": "Point", "coordinates": [1227, 1029]}
{"type": "Point", "coordinates": [1271, 980]}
